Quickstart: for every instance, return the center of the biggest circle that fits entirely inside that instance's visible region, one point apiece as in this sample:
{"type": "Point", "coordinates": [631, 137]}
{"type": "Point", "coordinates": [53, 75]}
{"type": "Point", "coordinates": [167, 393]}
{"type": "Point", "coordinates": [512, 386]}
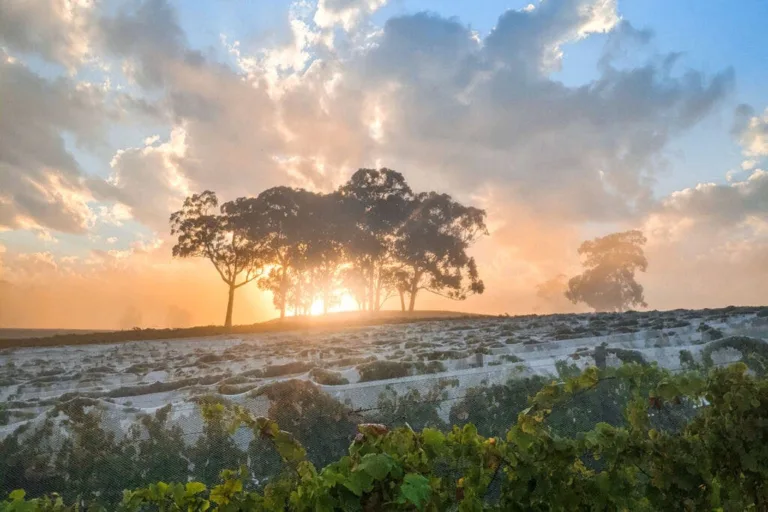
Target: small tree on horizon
{"type": "Point", "coordinates": [204, 232]}
{"type": "Point", "coordinates": [608, 281]}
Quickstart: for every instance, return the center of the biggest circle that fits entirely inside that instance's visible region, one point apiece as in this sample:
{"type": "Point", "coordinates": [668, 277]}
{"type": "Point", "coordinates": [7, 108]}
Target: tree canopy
{"type": "Point", "coordinates": [608, 281]}
{"type": "Point", "coordinates": [202, 232]}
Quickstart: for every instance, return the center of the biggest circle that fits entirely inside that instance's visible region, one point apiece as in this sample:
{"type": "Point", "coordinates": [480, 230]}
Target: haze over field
{"type": "Point", "coordinates": [564, 119]}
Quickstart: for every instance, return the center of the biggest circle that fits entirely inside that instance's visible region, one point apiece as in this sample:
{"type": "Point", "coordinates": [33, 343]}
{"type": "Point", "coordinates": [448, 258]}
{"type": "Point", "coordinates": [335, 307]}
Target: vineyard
{"type": "Point", "coordinates": [425, 416]}
{"type": "Point", "coordinates": [686, 442]}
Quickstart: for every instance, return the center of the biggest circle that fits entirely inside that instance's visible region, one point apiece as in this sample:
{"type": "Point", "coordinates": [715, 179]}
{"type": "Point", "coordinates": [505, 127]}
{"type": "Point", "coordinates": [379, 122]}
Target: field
{"type": "Point", "coordinates": [319, 382]}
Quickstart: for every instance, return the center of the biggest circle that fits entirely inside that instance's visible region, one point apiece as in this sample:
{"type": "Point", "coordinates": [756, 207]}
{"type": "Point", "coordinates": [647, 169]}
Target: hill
{"type": "Point", "coordinates": [10, 338]}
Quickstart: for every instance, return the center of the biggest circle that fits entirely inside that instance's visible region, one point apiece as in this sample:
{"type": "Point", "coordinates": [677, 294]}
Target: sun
{"type": "Point", "coordinates": [347, 303]}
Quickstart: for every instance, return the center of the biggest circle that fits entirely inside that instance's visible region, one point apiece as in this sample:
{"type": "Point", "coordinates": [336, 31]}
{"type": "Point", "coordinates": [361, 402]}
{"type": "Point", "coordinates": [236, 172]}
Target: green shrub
{"type": "Point", "coordinates": [753, 351]}
{"type": "Point", "coordinates": [383, 370]}
{"type": "Point", "coordinates": [712, 461]}
{"type": "Point", "coordinates": [327, 377]}
{"type": "Point", "coordinates": [294, 367]}
{"type": "Point", "coordinates": [686, 360]}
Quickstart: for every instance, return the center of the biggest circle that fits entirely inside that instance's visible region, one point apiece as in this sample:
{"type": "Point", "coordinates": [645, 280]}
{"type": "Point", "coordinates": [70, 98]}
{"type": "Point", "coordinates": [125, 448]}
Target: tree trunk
{"type": "Point", "coordinates": [377, 305]}
{"type": "Point", "coordinates": [402, 299]}
{"type": "Point", "coordinates": [371, 306]}
{"type": "Point", "coordinates": [412, 303]}
{"type": "Point", "coordinates": [414, 290]}
{"type": "Point", "coordinates": [230, 304]}
{"type": "Point", "coordinates": [282, 293]}
{"type": "Point", "coordinates": [326, 296]}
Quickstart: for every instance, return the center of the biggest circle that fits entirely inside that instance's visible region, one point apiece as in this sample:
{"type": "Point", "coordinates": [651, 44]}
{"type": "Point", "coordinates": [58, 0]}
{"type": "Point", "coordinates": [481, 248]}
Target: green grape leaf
{"type": "Point", "coordinates": [378, 465]}
{"type": "Point", "coordinates": [415, 490]}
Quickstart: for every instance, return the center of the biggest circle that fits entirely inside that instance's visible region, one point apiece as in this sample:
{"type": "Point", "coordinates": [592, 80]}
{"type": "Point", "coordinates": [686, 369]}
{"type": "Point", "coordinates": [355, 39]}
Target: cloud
{"type": "Point", "coordinates": [57, 30]}
{"type": "Point", "coordinates": [464, 109]}
{"type": "Point", "coordinates": [147, 36]}
{"type": "Point", "coordinates": [530, 40]}
{"type": "Point", "coordinates": [346, 13]}
{"type": "Point", "coordinates": [41, 183]}
{"type": "Point", "coordinates": [145, 182]}
{"type": "Point", "coordinates": [721, 204]}
{"type": "Point", "coordinates": [423, 94]}
{"type": "Point", "coordinates": [752, 132]}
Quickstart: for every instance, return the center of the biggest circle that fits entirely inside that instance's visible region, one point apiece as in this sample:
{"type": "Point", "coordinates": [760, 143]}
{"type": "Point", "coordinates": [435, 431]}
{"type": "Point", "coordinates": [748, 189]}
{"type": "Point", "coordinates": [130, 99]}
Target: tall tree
{"type": "Point", "coordinates": [431, 248]}
{"type": "Point", "coordinates": [203, 232]}
{"type": "Point", "coordinates": [608, 281]}
{"type": "Point", "coordinates": [327, 240]}
{"type": "Point", "coordinates": [379, 200]}
{"type": "Point", "coordinates": [280, 218]}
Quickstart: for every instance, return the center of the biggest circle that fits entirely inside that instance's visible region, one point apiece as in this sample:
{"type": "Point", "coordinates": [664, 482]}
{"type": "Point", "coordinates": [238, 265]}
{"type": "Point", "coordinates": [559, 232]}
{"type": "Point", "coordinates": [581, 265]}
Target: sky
{"type": "Point", "coordinates": [564, 119]}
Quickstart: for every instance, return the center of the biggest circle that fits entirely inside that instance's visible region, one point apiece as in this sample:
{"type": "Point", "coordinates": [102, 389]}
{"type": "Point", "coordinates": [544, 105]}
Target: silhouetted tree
{"type": "Point", "coordinates": [373, 236]}
{"type": "Point", "coordinates": [327, 240]}
{"type": "Point", "coordinates": [608, 281]}
{"type": "Point", "coordinates": [202, 232]}
{"type": "Point", "coordinates": [431, 248]}
{"type": "Point", "coordinates": [280, 219]}
{"type": "Point", "coordinates": [379, 200]}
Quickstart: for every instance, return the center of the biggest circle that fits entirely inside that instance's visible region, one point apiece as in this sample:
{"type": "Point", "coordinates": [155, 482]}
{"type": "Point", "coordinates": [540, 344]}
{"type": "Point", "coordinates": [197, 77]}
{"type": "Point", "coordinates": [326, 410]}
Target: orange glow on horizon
{"type": "Point", "coordinates": [347, 303]}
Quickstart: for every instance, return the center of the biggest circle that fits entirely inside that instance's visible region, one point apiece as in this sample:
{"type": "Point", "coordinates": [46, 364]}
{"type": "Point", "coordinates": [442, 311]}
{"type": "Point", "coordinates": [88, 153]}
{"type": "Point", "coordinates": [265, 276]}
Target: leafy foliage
{"type": "Point", "coordinates": [385, 370]}
{"type": "Point", "coordinates": [716, 461]}
{"type": "Point", "coordinates": [327, 377]}
{"type": "Point", "coordinates": [432, 248]}
{"type": "Point", "coordinates": [201, 232]}
{"type": "Point", "coordinates": [754, 351]}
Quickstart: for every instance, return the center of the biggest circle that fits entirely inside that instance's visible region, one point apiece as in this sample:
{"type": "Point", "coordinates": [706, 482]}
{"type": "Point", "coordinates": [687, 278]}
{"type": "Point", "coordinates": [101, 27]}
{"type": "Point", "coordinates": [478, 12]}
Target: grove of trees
{"type": "Point", "coordinates": [373, 238]}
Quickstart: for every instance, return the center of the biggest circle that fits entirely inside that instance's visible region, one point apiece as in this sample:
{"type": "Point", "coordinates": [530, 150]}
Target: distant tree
{"type": "Point", "coordinates": [608, 281]}
{"type": "Point", "coordinates": [379, 201]}
{"type": "Point", "coordinates": [204, 232]}
{"type": "Point", "coordinates": [431, 248]}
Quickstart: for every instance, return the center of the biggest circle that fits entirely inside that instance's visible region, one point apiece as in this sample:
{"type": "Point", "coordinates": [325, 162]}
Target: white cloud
{"type": "Point", "coordinates": [145, 182]}
{"type": "Point", "coordinates": [346, 13]}
{"type": "Point", "coordinates": [754, 137]}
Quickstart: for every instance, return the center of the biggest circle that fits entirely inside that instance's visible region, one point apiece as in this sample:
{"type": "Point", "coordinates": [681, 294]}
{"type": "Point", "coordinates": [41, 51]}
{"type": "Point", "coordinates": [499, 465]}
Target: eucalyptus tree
{"type": "Point", "coordinates": [207, 231]}
{"type": "Point", "coordinates": [431, 248]}
{"type": "Point", "coordinates": [608, 281]}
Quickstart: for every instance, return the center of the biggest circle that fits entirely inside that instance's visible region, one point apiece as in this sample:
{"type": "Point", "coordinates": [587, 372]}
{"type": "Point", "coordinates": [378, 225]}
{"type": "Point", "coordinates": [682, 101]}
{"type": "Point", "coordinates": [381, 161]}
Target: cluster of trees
{"type": "Point", "coordinates": [373, 237]}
